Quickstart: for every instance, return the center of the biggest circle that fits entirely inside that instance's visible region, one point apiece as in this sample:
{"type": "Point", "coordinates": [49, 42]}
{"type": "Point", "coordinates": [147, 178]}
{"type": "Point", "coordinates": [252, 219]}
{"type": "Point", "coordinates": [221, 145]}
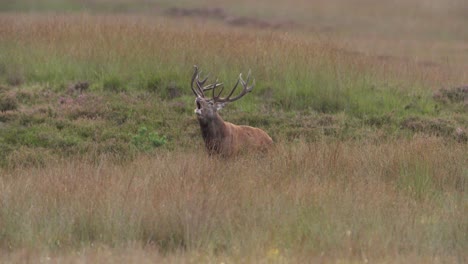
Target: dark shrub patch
{"type": "Point", "coordinates": [78, 88]}
{"type": "Point", "coordinates": [438, 127]}
{"type": "Point", "coordinates": [454, 95]}
{"type": "Point", "coordinates": [173, 92]}
{"type": "Point", "coordinates": [8, 102]}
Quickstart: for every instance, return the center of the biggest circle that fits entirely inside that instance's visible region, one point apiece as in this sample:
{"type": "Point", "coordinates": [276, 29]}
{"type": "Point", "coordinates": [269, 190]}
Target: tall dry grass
{"type": "Point", "coordinates": [94, 46]}
{"type": "Point", "coordinates": [296, 71]}
{"type": "Point", "coordinates": [400, 201]}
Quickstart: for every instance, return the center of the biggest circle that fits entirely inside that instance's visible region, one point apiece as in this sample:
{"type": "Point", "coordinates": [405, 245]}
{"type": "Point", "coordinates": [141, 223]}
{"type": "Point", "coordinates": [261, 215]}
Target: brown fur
{"type": "Point", "coordinates": [227, 139]}
{"type": "Point", "coordinates": [222, 137]}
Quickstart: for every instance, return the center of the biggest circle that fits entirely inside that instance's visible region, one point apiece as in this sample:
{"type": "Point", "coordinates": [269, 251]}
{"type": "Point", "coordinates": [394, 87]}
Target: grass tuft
{"type": "Point", "coordinates": [113, 84]}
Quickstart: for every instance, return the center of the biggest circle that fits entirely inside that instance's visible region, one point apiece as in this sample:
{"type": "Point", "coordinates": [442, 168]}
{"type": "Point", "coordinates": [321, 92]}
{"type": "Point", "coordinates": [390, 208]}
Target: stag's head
{"type": "Point", "coordinates": [207, 107]}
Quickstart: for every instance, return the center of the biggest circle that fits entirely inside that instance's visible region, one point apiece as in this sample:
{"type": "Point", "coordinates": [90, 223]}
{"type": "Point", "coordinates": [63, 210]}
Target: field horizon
{"type": "Point", "coordinates": [102, 159]}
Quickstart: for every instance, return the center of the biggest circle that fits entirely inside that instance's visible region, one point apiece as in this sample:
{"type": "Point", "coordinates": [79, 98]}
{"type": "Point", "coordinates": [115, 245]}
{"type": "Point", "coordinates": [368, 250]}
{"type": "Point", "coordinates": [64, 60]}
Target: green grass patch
{"type": "Point", "coordinates": [417, 180]}
{"type": "Point", "coordinates": [146, 141]}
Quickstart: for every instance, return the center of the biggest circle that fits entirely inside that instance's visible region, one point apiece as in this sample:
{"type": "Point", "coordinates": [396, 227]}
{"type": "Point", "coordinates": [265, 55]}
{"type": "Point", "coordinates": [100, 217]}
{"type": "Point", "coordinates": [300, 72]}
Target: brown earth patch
{"type": "Point", "coordinates": [8, 102]}
{"type": "Point", "coordinates": [438, 127]}
{"type": "Point", "coordinates": [179, 107]}
{"type": "Point", "coordinates": [213, 13]}
{"type": "Point", "coordinates": [83, 106]}
{"type": "Point", "coordinates": [452, 95]}
{"type": "Point", "coordinates": [78, 87]}
{"type": "Point", "coordinates": [173, 92]}
{"type": "Point", "coordinates": [218, 13]}
{"type": "Point", "coordinates": [8, 116]}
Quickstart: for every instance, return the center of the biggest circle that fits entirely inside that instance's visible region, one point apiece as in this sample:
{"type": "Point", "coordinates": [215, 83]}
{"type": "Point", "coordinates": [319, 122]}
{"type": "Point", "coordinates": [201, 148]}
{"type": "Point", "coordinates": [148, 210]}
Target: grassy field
{"type": "Point", "coordinates": [102, 159]}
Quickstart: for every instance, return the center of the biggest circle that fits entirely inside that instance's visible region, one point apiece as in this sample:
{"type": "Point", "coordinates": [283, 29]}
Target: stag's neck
{"type": "Point", "coordinates": [213, 132]}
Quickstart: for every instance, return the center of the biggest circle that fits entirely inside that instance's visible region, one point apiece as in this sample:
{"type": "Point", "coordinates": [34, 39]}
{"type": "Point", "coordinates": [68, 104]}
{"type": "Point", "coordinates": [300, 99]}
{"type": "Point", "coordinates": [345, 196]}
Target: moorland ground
{"type": "Point", "coordinates": [102, 159]}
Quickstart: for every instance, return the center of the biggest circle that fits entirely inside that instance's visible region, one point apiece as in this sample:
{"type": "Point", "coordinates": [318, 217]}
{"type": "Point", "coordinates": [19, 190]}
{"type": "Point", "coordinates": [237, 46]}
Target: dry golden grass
{"type": "Point", "coordinates": [430, 32]}
{"type": "Point", "coordinates": [132, 44]}
{"type": "Point", "coordinates": [402, 201]}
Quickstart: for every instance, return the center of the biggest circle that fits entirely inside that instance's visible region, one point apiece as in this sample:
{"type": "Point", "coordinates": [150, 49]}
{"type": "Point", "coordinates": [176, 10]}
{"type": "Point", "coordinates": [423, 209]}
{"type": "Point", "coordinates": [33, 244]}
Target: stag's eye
{"type": "Point", "coordinates": [198, 105]}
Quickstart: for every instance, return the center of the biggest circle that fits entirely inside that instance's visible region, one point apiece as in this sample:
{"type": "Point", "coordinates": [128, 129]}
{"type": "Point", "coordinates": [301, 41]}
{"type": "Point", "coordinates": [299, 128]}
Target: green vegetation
{"type": "Point", "coordinates": [134, 84]}
{"type": "Point", "coordinates": [147, 141]}
{"type": "Point", "coordinates": [102, 158]}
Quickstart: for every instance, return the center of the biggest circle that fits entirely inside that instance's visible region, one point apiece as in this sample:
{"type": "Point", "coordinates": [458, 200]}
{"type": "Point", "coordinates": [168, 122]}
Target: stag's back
{"type": "Point", "coordinates": [247, 138]}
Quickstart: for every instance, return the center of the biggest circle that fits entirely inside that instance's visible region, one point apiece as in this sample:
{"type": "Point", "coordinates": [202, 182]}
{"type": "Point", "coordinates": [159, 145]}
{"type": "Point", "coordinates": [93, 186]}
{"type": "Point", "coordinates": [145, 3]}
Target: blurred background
{"type": "Point", "coordinates": [432, 30]}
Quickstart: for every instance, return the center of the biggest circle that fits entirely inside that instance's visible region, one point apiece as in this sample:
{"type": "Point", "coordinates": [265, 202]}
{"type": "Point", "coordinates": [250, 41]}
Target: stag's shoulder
{"type": "Point", "coordinates": [256, 133]}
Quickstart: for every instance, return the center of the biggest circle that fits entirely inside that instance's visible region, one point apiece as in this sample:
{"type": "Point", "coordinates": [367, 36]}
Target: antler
{"type": "Point", "coordinates": [246, 89]}
{"type": "Point", "coordinates": [198, 90]}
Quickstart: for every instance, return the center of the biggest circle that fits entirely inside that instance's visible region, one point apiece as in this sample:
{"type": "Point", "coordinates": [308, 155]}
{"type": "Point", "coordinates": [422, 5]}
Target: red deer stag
{"type": "Point", "coordinates": [222, 137]}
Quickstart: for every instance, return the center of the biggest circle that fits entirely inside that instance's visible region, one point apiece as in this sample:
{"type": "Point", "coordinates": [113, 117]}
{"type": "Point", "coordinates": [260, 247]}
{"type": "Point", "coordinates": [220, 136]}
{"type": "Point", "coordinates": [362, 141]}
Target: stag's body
{"type": "Point", "coordinates": [227, 139]}
{"type": "Point", "coordinates": [222, 137]}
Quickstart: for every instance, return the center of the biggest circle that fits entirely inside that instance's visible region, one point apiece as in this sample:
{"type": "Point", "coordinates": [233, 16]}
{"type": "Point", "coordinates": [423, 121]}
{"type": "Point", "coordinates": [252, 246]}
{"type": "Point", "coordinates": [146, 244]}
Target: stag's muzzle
{"type": "Point", "coordinates": [198, 109]}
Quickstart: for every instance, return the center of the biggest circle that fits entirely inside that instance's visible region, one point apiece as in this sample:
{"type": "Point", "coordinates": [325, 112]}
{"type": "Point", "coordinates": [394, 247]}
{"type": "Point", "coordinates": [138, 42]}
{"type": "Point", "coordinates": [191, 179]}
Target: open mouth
{"type": "Point", "coordinates": [198, 109]}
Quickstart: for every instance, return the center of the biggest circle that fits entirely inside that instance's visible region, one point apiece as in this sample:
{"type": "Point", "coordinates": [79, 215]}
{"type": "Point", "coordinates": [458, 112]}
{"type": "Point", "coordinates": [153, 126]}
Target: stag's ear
{"type": "Point", "coordinates": [220, 106]}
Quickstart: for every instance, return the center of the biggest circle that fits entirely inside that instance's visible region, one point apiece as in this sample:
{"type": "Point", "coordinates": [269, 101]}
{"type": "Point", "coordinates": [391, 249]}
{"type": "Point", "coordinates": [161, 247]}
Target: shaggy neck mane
{"type": "Point", "coordinates": [213, 131]}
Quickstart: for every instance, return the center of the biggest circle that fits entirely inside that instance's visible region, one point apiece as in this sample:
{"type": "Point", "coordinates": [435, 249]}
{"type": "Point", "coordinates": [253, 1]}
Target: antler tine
{"type": "Point", "coordinates": [222, 88]}
{"type": "Point", "coordinates": [214, 88]}
{"type": "Point", "coordinates": [201, 83]}
{"type": "Point", "coordinates": [199, 91]}
{"type": "Point", "coordinates": [246, 89]}
{"type": "Point", "coordinates": [211, 86]}
{"type": "Point", "coordinates": [235, 87]}
{"type": "Point", "coordinates": [195, 76]}
{"type": "Point", "coordinates": [244, 83]}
